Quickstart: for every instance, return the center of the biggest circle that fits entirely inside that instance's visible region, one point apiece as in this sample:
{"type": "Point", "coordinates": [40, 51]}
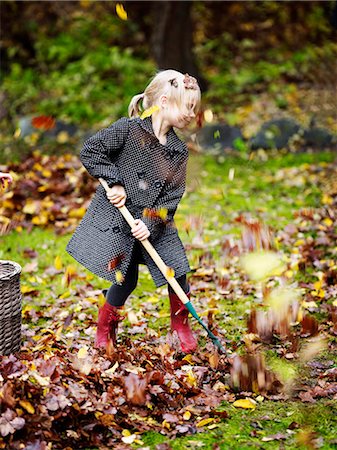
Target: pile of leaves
{"type": "Point", "coordinates": [47, 190]}
{"type": "Point", "coordinates": [60, 390]}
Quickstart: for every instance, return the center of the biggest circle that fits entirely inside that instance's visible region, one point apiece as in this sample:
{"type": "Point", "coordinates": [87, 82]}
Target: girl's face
{"type": "Point", "coordinates": [178, 117]}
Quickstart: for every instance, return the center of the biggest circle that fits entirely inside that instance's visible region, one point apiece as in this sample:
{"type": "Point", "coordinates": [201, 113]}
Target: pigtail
{"type": "Point", "coordinates": [135, 109]}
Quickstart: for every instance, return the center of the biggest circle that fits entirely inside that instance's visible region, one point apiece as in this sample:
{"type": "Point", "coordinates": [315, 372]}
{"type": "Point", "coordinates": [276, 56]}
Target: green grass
{"type": "Point", "coordinates": [245, 429]}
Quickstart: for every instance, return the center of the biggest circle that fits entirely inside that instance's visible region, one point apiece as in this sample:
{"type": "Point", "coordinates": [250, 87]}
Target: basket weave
{"type": "Point", "coordinates": [10, 307]}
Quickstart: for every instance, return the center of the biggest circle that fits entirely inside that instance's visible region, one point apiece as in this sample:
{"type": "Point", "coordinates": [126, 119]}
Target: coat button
{"type": "Point", "coordinates": [116, 229]}
{"type": "Point", "coordinates": [158, 184]}
{"type": "Point", "coordinates": [141, 174]}
{"type": "Point", "coordinates": [153, 146]}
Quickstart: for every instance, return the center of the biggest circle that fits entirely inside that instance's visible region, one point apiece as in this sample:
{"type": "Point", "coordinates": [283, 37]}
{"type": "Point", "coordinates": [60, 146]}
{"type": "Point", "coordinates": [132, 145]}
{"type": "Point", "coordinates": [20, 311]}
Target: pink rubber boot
{"type": "Point", "coordinates": [107, 325]}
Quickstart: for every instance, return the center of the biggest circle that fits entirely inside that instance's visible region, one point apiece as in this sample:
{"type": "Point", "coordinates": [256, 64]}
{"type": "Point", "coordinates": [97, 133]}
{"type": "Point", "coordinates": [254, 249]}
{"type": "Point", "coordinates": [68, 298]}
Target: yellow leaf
{"type": "Point", "coordinates": [148, 112]}
{"type": "Point", "coordinates": [311, 304]}
{"type": "Point", "coordinates": [126, 432]}
{"type": "Point", "coordinates": [188, 358]}
{"type": "Point", "coordinates": [77, 213]}
{"type": "Point", "coordinates": [62, 137]}
{"type": "Point", "coordinates": [204, 422]}
{"type": "Point", "coordinates": [170, 272]}
{"type": "Point", "coordinates": [321, 293]}
{"type": "Point", "coordinates": [83, 352]}
{"type": "Point", "coordinates": [187, 415]}
{"type": "Point", "coordinates": [46, 173]}
{"type": "Point", "coordinates": [42, 219]}
{"type": "Point", "coordinates": [327, 200]}
{"type": "Point", "coordinates": [27, 289]}
{"type": "Point", "coordinates": [119, 276]}
{"type": "Point", "coordinates": [166, 424]}
{"type": "Point", "coordinates": [27, 406]}
{"type": "Point", "coordinates": [58, 263]}
{"type": "Point", "coordinates": [318, 285]}
{"type": "Point", "coordinates": [208, 115]}
{"type": "Point", "coordinates": [192, 379]}
{"type": "Point", "coordinates": [262, 264]}
{"type": "Point", "coordinates": [30, 207]}
{"type": "Point", "coordinates": [334, 303]}
{"type": "Point", "coordinates": [328, 222]}
{"type": "Point", "coordinates": [17, 133]}
{"type": "Point", "coordinates": [43, 188]}
{"type": "Point", "coordinates": [246, 403]}
{"type": "Point", "coordinates": [163, 213]}
{"type": "Point", "coordinates": [37, 166]}
{"type": "Point", "coordinates": [121, 13]}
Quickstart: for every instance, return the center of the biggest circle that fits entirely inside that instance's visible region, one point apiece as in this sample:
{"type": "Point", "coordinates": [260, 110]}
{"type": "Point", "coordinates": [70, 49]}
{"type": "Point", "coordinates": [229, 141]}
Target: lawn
{"type": "Point", "coordinates": [278, 191]}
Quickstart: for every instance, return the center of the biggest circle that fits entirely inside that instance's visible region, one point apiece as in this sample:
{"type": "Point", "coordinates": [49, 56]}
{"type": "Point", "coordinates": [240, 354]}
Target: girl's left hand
{"type": "Point", "coordinates": [5, 176]}
{"type": "Point", "coordinates": [140, 230]}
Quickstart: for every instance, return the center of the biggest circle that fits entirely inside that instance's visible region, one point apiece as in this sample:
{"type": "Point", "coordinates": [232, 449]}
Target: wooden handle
{"type": "Point", "coordinates": [151, 251]}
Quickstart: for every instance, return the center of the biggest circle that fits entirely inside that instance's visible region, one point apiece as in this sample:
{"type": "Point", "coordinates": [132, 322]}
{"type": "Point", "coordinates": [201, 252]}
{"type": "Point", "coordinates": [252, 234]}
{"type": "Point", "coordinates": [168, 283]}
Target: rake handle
{"type": "Point", "coordinates": [151, 251]}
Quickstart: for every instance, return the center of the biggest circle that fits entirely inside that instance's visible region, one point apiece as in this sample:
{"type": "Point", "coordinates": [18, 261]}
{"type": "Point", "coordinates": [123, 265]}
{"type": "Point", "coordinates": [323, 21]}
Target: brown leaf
{"type": "Point", "coordinates": [274, 437]}
{"type": "Point", "coordinates": [43, 122]}
{"type": "Point", "coordinates": [6, 395]}
{"type": "Point", "coordinates": [309, 326]}
{"type": "Point", "coordinates": [136, 389]}
{"type": "Point", "coordinates": [115, 262]}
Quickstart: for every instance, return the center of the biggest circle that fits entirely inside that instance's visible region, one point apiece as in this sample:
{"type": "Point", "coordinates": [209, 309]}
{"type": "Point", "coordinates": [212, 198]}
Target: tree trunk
{"type": "Point", "coordinates": [172, 38]}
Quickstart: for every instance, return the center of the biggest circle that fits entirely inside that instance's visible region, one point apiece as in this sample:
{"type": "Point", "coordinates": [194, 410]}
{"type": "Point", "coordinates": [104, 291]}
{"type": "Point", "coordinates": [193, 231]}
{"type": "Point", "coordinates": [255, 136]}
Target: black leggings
{"type": "Point", "coordinates": [118, 294]}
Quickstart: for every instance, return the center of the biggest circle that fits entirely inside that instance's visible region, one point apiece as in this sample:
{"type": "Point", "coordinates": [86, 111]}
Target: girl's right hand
{"type": "Point", "coordinates": [117, 195]}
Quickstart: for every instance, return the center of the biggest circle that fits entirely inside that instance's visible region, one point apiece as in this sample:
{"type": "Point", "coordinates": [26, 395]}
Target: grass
{"type": "Point", "coordinates": [245, 429]}
{"type": "Point", "coordinates": [217, 200]}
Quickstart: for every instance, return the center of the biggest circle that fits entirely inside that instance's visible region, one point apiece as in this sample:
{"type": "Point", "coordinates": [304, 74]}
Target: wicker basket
{"type": "Point", "coordinates": [10, 307]}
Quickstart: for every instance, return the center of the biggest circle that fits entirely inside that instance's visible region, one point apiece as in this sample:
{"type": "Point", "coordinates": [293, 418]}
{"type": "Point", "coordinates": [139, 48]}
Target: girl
{"type": "Point", "coordinates": [144, 163]}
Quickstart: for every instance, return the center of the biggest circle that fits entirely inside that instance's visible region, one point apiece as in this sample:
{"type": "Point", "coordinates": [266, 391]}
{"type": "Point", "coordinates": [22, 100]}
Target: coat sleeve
{"type": "Point", "coordinates": [167, 203]}
{"type": "Point", "coordinates": [98, 152]}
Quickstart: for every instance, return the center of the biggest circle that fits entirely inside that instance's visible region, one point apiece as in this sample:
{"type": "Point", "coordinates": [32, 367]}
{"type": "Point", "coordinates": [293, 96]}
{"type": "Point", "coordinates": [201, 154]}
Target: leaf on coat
{"type": "Point", "coordinates": [119, 276]}
{"type": "Point", "coordinates": [148, 112]}
{"type": "Point", "coordinates": [115, 262]}
{"type": "Point", "coordinates": [153, 213]}
{"type": "Point", "coordinates": [170, 272]}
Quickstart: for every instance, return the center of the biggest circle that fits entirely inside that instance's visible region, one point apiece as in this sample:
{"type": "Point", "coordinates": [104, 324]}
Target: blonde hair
{"type": "Point", "coordinates": [170, 83]}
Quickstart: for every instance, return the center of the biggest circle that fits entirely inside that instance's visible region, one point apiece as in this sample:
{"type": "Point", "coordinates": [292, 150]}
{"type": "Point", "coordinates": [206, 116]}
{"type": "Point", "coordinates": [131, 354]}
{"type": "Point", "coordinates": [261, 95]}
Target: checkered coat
{"type": "Point", "coordinates": [153, 175]}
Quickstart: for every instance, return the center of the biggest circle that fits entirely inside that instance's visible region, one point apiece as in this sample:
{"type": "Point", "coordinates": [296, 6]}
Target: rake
{"type": "Point", "coordinates": [165, 271]}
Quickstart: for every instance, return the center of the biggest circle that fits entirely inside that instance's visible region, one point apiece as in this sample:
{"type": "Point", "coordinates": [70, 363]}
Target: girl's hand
{"type": "Point", "coordinates": [5, 176]}
{"type": "Point", "coordinates": [140, 230]}
{"type": "Point", "coordinates": [117, 195]}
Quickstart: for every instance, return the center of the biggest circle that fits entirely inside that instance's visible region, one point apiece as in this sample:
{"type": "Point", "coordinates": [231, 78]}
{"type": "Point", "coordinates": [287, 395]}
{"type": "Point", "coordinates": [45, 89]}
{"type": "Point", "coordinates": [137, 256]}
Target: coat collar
{"type": "Point", "coordinates": [173, 142]}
